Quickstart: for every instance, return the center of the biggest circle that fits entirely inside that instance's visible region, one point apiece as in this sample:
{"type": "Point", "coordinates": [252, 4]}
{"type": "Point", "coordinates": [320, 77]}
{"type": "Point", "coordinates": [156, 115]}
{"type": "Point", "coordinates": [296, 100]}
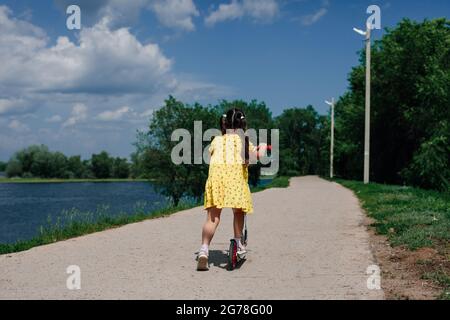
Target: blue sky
{"type": "Point", "coordinates": [84, 91]}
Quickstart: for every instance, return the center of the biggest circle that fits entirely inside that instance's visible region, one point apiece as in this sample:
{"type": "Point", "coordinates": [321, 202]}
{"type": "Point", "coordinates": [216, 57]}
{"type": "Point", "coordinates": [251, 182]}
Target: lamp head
{"type": "Point", "coordinates": [359, 31]}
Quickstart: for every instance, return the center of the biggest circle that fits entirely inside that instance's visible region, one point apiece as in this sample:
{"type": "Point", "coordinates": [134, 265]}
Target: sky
{"type": "Point", "coordinates": [88, 90]}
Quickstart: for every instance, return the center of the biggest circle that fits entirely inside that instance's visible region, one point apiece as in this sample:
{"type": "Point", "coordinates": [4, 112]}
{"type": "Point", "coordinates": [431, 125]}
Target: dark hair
{"type": "Point", "coordinates": [235, 119]}
{"type": "Point", "coordinates": [222, 125]}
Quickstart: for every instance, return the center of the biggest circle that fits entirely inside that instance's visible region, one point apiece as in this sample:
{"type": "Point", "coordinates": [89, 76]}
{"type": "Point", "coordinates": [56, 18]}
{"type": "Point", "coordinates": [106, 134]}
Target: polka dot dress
{"type": "Point", "coordinates": [227, 184]}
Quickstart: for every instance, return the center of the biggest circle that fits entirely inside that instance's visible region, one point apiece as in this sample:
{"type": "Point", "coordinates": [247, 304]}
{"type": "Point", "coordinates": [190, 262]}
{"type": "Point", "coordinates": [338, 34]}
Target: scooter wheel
{"type": "Point", "coordinates": [232, 255]}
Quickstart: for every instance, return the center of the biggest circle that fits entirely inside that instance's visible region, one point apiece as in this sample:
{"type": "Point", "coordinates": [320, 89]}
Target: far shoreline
{"type": "Point", "coordinates": [40, 180]}
{"type": "Point", "coordinates": [94, 180]}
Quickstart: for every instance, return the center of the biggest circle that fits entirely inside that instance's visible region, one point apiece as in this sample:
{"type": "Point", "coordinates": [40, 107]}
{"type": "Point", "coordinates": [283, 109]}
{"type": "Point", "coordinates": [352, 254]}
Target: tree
{"type": "Point", "coordinates": [41, 165]}
{"type": "Point", "coordinates": [258, 114]}
{"type": "Point", "coordinates": [136, 166]}
{"type": "Point", "coordinates": [76, 167]}
{"type": "Point", "coordinates": [39, 161]}
{"type": "Point", "coordinates": [3, 166]}
{"type": "Point", "coordinates": [155, 146]}
{"type": "Point", "coordinates": [349, 132]}
{"type": "Point", "coordinates": [169, 179]}
{"type": "Point", "coordinates": [301, 137]}
{"type": "Point", "coordinates": [410, 99]}
{"type": "Point", "coordinates": [87, 172]}
{"type": "Point", "coordinates": [26, 158]}
{"type": "Point", "coordinates": [430, 166]}
{"type": "Point", "coordinates": [322, 136]}
{"type": "Point", "coordinates": [29, 162]}
{"type": "Point", "coordinates": [101, 165]}
{"type": "Point", "coordinates": [14, 168]}
{"type": "Point", "coordinates": [58, 165]}
{"type": "Point", "coordinates": [120, 168]}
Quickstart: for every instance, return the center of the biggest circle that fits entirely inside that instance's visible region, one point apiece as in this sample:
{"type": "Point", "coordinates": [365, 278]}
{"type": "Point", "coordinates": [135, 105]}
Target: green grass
{"type": "Point", "coordinates": [277, 182]}
{"type": "Point", "coordinates": [40, 180]}
{"type": "Point", "coordinates": [442, 278]}
{"type": "Point", "coordinates": [74, 223]}
{"type": "Point", "coordinates": [411, 217]}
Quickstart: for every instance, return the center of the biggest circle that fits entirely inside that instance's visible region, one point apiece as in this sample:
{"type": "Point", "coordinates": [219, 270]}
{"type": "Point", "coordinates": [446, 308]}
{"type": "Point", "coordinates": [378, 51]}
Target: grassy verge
{"type": "Point", "coordinates": [413, 218]}
{"type": "Point", "coordinates": [39, 180]}
{"type": "Point", "coordinates": [277, 182]}
{"type": "Point", "coordinates": [75, 224]}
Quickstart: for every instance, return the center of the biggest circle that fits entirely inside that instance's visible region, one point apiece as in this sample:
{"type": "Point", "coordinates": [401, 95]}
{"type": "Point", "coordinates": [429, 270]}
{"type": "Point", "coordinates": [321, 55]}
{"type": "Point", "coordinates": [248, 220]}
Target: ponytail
{"type": "Point", "coordinates": [247, 150]}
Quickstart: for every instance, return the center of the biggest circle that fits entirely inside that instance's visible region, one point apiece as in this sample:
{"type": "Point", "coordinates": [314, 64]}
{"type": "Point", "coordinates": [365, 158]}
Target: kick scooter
{"type": "Point", "coordinates": [234, 258]}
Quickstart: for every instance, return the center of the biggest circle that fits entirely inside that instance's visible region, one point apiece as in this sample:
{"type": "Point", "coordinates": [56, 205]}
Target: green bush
{"type": "Point", "coordinates": [27, 175]}
{"type": "Point", "coordinates": [3, 166]}
{"type": "Point", "coordinates": [14, 169]}
{"type": "Point", "coordinates": [430, 167]}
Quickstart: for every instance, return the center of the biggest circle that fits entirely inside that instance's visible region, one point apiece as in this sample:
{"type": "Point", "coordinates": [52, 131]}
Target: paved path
{"type": "Point", "coordinates": [305, 242]}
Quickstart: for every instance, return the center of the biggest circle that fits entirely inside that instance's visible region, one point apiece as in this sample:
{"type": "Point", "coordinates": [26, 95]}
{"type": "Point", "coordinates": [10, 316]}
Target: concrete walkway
{"type": "Point", "coordinates": [305, 242]}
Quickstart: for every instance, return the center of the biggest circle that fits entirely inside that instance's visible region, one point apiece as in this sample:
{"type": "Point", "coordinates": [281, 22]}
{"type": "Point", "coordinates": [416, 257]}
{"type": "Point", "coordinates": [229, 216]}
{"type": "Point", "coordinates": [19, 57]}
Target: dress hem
{"type": "Point", "coordinates": [224, 207]}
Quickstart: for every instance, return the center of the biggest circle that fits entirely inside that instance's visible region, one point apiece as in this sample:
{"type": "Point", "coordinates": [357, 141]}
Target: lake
{"type": "Point", "coordinates": [24, 207]}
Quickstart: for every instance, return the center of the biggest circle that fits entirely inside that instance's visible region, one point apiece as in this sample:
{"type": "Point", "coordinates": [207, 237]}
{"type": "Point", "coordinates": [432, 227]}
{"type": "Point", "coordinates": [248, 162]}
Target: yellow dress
{"type": "Point", "coordinates": [227, 184]}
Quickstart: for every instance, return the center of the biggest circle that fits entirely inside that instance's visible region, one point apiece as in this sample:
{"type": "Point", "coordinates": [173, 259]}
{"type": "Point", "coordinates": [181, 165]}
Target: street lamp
{"type": "Point", "coordinates": [367, 121]}
{"type": "Point", "coordinates": [331, 104]}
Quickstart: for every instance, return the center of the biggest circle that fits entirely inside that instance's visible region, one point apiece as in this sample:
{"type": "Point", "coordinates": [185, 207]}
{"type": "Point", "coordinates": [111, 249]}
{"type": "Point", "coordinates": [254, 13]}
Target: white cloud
{"type": "Point", "coordinates": [175, 14]}
{"type": "Point", "coordinates": [225, 12]}
{"type": "Point", "coordinates": [147, 113]}
{"type": "Point", "coordinates": [78, 114]}
{"type": "Point", "coordinates": [18, 126]}
{"type": "Point", "coordinates": [12, 26]}
{"type": "Point", "coordinates": [13, 106]}
{"type": "Point", "coordinates": [103, 67]}
{"type": "Point", "coordinates": [103, 61]}
{"type": "Point", "coordinates": [313, 18]}
{"type": "Point", "coordinates": [114, 115]}
{"type": "Point", "coordinates": [310, 19]}
{"type": "Point", "coordinates": [120, 13]}
{"type": "Point", "coordinates": [259, 10]}
{"type": "Point", "coordinates": [54, 119]}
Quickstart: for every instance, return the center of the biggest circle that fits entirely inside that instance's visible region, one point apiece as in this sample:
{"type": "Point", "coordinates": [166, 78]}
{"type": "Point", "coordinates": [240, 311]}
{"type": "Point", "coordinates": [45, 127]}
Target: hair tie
{"type": "Point", "coordinates": [242, 117]}
{"type": "Point", "coordinates": [224, 115]}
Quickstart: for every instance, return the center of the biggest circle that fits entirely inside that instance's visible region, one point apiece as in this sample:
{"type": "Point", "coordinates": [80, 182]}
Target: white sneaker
{"type": "Point", "coordinates": [241, 252]}
{"type": "Point", "coordinates": [202, 261]}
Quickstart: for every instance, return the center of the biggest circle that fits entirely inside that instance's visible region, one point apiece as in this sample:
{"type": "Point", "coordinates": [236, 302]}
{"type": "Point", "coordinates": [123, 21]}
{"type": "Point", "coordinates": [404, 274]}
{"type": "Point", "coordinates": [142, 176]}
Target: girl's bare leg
{"type": "Point", "coordinates": [210, 225]}
{"type": "Point", "coordinates": [238, 223]}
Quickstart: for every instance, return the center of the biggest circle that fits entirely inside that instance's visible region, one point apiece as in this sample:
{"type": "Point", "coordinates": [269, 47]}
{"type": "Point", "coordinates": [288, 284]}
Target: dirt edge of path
{"type": "Point", "coordinates": [402, 269]}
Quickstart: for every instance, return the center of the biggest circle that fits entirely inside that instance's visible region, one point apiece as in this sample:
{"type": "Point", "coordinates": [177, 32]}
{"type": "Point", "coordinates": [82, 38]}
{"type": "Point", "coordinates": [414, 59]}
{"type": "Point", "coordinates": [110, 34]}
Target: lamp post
{"type": "Point", "coordinates": [367, 34]}
{"type": "Point", "coordinates": [331, 104]}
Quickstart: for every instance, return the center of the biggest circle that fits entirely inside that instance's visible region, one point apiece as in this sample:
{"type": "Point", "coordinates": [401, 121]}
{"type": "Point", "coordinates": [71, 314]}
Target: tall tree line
{"type": "Point", "coordinates": [410, 124]}
{"type": "Point", "coordinates": [37, 161]}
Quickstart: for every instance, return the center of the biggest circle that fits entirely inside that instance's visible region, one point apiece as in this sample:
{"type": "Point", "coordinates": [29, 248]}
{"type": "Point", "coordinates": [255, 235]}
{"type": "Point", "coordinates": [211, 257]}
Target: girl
{"type": "Point", "coordinates": [227, 184]}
